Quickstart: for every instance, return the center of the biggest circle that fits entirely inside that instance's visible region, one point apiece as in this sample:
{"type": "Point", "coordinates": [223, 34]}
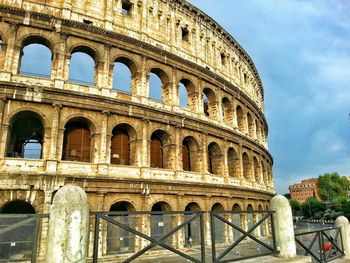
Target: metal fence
{"type": "Point", "coordinates": [232, 242]}
{"type": "Point", "coordinates": [323, 245]}
{"type": "Point", "coordinates": [136, 233]}
{"type": "Point", "coordinates": [19, 235]}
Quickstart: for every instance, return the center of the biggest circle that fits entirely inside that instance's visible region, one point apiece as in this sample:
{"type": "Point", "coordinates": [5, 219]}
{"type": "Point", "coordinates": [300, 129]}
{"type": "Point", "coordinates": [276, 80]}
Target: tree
{"type": "Point", "coordinates": [332, 186]}
{"type": "Point", "coordinates": [295, 205]}
{"type": "Point", "coordinates": [287, 195]}
{"type": "Point", "coordinates": [311, 207]}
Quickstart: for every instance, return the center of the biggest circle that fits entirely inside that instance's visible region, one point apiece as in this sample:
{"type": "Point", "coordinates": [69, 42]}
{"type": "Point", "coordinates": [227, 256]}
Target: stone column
{"type": "Point", "coordinates": [68, 226]}
{"type": "Point", "coordinates": [60, 62]}
{"type": "Point", "coordinates": [343, 223]}
{"type": "Point", "coordinates": [283, 224]}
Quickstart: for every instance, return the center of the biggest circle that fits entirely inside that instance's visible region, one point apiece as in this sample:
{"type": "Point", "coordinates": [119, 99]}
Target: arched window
{"type": "Point", "coordinates": [156, 151]}
{"type": "Point", "coordinates": [240, 119]}
{"type": "Point", "coordinates": [82, 66]}
{"type": "Point", "coordinates": [193, 228]}
{"type": "Point", "coordinates": [158, 82]}
{"type": "Point", "coordinates": [161, 224]}
{"type": "Point", "coordinates": [256, 130]}
{"type": "Point", "coordinates": [209, 103]}
{"type": "Point", "coordinates": [123, 70]}
{"type": "Point", "coordinates": [77, 141]}
{"type": "Point", "coordinates": [120, 146]}
{"type": "Point", "coordinates": [250, 216]}
{"type": "Point", "coordinates": [160, 152]}
{"type": "Point", "coordinates": [219, 225]}
{"type": "Point", "coordinates": [233, 163]}
{"type": "Point", "coordinates": [237, 220]}
{"type": "Point", "coordinates": [246, 166]}
{"type": "Point", "coordinates": [186, 156]}
{"type": "Point", "coordinates": [214, 158]}
{"type": "Point", "coordinates": [35, 57]}
{"type": "Point", "coordinates": [186, 94]}
{"type": "Point", "coordinates": [190, 154]}
{"type": "Point", "coordinates": [227, 111]}
{"type": "Point", "coordinates": [118, 239]}
{"type": "Point", "coordinates": [264, 172]}
{"type": "Point", "coordinates": [25, 136]}
{"type": "Point", "coordinates": [17, 207]}
{"type": "Point", "coordinates": [256, 170]}
{"type": "Point", "coordinates": [250, 124]}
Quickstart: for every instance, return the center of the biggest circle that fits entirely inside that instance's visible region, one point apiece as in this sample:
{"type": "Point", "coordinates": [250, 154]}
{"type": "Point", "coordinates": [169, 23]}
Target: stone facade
{"type": "Point", "coordinates": [170, 38]}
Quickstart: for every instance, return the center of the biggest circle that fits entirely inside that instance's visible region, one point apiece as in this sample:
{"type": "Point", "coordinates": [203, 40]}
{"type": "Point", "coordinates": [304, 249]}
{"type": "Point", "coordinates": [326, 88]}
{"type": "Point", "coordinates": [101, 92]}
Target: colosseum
{"type": "Point", "coordinates": [183, 131]}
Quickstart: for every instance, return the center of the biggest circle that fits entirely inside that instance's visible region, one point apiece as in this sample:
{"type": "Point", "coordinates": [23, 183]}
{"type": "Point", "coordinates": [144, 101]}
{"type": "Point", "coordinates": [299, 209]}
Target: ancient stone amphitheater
{"type": "Point", "coordinates": [185, 131]}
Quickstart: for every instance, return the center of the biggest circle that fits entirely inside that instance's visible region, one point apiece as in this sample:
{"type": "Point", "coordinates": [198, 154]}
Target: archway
{"type": "Point", "coordinates": [161, 223]}
{"type": "Point", "coordinates": [192, 229]}
{"type": "Point", "coordinates": [219, 225]}
{"type": "Point", "coordinates": [119, 240]}
{"type": "Point", "coordinates": [237, 220]}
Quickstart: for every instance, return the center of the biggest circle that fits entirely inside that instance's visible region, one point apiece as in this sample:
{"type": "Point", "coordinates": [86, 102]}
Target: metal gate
{"type": "Point", "coordinates": [161, 230]}
{"type": "Point", "coordinates": [322, 245]}
{"type": "Point", "coordinates": [19, 236]}
{"type": "Point", "coordinates": [264, 245]}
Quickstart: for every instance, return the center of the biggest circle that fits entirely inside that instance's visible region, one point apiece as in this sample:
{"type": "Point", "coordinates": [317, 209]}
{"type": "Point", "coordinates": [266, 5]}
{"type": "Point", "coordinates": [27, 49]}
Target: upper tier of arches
{"type": "Point", "coordinates": [112, 69]}
{"type": "Point", "coordinates": [176, 27]}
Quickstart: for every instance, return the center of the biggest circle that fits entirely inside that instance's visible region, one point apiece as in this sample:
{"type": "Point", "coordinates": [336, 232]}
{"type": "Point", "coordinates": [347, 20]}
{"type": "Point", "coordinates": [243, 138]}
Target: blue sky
{"type": "Point", "coordinates": [302, 52]}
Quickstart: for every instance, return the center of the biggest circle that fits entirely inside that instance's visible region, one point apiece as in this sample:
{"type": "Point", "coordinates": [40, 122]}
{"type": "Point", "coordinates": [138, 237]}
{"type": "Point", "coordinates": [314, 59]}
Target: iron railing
{"type": "Point", "coordinates": [19, 235]}
{"type": "Point", "coordinates": [161, 232]}
{"type": "Point", "coordinates": [258, 240]}
{"type": "Point", "coordinates": [323, 245]}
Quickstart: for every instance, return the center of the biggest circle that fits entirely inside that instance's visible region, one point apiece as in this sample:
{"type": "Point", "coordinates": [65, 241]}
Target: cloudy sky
{"type": "Point", "coordinates": [302, 52]}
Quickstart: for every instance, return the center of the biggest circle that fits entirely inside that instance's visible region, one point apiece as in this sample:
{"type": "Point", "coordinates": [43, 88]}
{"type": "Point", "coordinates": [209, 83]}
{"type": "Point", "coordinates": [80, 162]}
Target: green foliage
{"type": "Point", "coordinates": [295, 205]}
{"type": "Point", "coordinates": [332, 186]}
{"type": "Point", "coordinates": [311, 207]}
{"type": "Point", "coordinates": [287, 195]}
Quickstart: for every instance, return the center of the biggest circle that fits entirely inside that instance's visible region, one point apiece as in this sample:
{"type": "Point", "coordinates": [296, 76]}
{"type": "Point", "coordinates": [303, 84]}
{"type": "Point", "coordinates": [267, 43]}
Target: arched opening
{"type": "Point", "coordinates": [77, 141]}
{"type": "Point", "coordinates": [250, 124]}
{"type": "Point", "coordinates": [214, 158]}
{"type": "Point", "coordinates": [35, 57]}
{"type": "Point", "coordinates": [250, 216]}
{"type": "Point", "coordinates": [256, 130]}
{"type": "Point", "coordinates": [219, 225]}
{"type": "Point", "coordinates": [246, 166]}
{"type": "Point", "coordinates": [233, 163]}
{"type": "Point", "coordinates": [20, 240]}
{"type": "Point", "coordinates": [190, 155]}
{"type": "Point", "coordinates": [25, 136]}
{"type": "Point", "coordinates": [237, 220]}
{"type": "Point", "coordinates": [186, 94]}
{"type": "Point", "coordinates": [192, 231]}
{"type": "Point", "coordinates": [262, 227]}
{"type": "Point", "coordinates": [17, 207]}
{"type": "Point", "coordinates": [123, 70]}
{"type": "Point", "coordinates": [160, 150]}
{"type": "Point", "coordinates": [158, 82]}
{"type": "Point", "coordinates": [122, 147]}
{"type": "Point", "coordinates": [118, 239]}
{"type": "Point", "coordinates": [209, 103]}
{"type": "Point", "coordinates": [240, 119]}
{"type": "Point", "coordinates": [161, 223]}
{"type": "Point", "coordinates": [256, 170]}
{"type": "Point", "coordinates": [82, 66]}
{"type": "Point", "coordinates": [264, 172]}
{"type": "Point", "coordinates": [227, 112]}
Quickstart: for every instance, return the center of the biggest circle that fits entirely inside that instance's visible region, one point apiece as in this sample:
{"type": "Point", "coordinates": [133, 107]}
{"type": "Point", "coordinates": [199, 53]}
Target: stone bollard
{"type": "Point", "coordinates": [283, 224]}
{"type": "Point", "coordinates": [343, 223]}
{"type": "Point", "coordinates": [67, 239]}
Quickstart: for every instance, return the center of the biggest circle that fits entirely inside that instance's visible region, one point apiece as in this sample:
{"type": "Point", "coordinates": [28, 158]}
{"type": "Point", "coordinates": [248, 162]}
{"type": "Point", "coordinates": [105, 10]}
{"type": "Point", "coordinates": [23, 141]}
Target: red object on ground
{"type": "Point", "coordinates": [326, 246]}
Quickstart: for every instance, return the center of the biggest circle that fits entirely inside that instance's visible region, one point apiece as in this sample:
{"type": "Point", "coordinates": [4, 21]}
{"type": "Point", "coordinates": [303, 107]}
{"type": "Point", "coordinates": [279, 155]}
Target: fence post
{"type": "Point", "coordinates": [68, 226]}
{"type": "Point", "coordinates": [283, 226]}
{"type": "Point", "coordinates": [343, 223]}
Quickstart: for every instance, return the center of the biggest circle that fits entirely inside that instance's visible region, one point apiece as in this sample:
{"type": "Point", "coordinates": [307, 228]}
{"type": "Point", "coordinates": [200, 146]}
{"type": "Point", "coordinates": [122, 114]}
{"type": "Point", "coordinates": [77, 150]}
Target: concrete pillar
{"type": "Point", "coordinates": [68, 226]}
{"type": "Point", "coordinates": [283, 224]}
{"type": "Point", "coordinates": [343, 223]}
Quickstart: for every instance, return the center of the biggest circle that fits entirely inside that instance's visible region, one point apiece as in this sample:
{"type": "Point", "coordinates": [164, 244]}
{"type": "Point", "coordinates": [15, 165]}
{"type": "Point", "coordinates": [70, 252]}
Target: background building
{"type": "Point", "coordinates": [187, 133]}
{"type": "Point", "coordinates": [302, 191]}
